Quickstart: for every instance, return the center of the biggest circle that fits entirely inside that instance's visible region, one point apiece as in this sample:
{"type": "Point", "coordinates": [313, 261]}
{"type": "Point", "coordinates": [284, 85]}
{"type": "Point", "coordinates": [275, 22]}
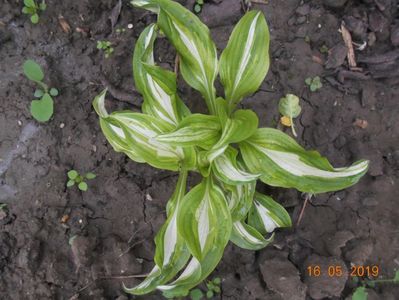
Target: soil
{"type": "Point", "coordinates": [60, 243]}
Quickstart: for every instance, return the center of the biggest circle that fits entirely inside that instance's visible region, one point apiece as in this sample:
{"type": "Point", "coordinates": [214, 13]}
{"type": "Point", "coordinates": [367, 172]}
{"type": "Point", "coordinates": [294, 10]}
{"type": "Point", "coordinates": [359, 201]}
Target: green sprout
{"type": "Point", "coordinates": [213, 287]}
{"type": "Point", "coordinates": [76, 178]}
{"type": "Point", "coordinates": [41, 109]}
{"type": "Point", "coordinates": [198, 6]}
{"type": "Point", "coordinates": [314, 83]}
{"type": "Point", "coordinates": [361, 292]}
{"type": "Point", "coordinates": [106, 46]}
{"type": "Point", "coordinates": [32, 8]}
{"type": "Point", "coordinates": [225, 147]}
{"type": "Point", "coordinates": [118, 30]}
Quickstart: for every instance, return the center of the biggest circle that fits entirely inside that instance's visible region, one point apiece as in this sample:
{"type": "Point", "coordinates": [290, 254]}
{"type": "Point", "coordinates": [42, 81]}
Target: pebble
{"type": "Point", "coordinates": [62, 125]}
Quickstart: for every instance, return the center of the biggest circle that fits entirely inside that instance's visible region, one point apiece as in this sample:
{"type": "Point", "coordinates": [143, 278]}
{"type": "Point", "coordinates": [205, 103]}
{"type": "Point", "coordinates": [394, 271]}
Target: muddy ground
{"type": "Point", "coordinates": [114, 222]}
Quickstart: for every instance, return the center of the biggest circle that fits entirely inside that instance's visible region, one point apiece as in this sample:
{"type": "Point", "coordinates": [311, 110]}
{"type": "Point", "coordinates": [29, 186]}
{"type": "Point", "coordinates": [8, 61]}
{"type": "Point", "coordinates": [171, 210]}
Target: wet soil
{"type": "Point", "coordinates": [59, 243]}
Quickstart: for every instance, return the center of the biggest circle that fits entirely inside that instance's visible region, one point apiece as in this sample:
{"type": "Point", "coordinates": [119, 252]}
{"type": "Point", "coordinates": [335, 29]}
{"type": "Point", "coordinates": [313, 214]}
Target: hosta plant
{"type": "Point", "coordinates": [226, 147]}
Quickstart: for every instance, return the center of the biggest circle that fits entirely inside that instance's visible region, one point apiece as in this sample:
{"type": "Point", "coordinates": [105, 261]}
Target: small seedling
{"type": "Point", "coordinates": [314, 83]}
{"type": "Point", "coordinates": [198, 6]}
{"type": "Point", "coordinates": [106, 46]}
{"type": "Point", "coordinates": [323, 49]}
{"type": "Point", "coordinates": [226, 147]}
{"type": "Point", "coordinates": [119, 30]}
{"type": "Point", "coordinates": [32, 8]}
{"type": "Point", "coordinates": [42, 109]}
{"type": "Point", "coordinates": [76, 178]}
{"type": "Point", "coordinates": [289, 109]}
{"type": "Point", "coordinates": [213, 287]}
{"type": "Point", "coordinates": [361, 292]}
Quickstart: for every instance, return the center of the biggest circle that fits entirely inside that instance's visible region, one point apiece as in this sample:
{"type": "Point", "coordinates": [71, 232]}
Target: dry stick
{"type": "Point", "coordinates": [259, 1]}
{"type": "Point", "coordinates": [346, 36]}
{"type": "Point", "coordinates": [307, 198]}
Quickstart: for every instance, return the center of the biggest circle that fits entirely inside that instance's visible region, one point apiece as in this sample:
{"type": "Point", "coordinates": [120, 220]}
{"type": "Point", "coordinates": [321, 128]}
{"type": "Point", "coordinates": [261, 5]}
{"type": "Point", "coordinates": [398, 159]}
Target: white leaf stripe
{"type": "Point", "coordinates": [203, 220]}
{"type": "Point", "coordinates": [226, 168]}
{"type": "Point", "coordinates": [192, 267]}
{"type": "Point", "coordinates": [245, 234]}
{"type": "Point", "coordinates": [293, 164]}
{"type": "Point", "coordinates": [247, 52]}
{"type": "Point", "coordinates": [146, 282]}
{"type": "Point", "coordinates": [265, 217]}
{"type": "Point", "coordinates": [170, 240]}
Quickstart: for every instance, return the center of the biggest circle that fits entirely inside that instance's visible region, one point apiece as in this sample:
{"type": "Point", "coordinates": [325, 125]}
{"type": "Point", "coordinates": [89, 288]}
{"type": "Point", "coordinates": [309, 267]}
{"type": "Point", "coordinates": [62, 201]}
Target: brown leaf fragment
{"type": "Point", "coordinates": [348, 42]}
{"type": "Point", "coordinates": [64, 24]}
{"type": "Point", "coordinates": [361, 123]}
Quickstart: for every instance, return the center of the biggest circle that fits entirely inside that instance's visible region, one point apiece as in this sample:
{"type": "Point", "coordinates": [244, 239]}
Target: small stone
{"type": "Point", "coordinates": [303, 10]}
{"type": "Point", "coordinates": [361, 123]}
{"type": "Point", "coordinates": [325, 285]}
{"type": "Point", "coordinates": [130, 25]}
{"type": "Point", "coordinates": [62, 125]}
{"type": "Point", "coordinates": [81, 250]}
{"type": "Point", "coordinates": [371, 38]}
{"type": "Point", "coordinates": [19, 123]}
{"type": "Point", "coordinates": [336, 56]}
{"type": "Point", "coordinates": [300, 20]}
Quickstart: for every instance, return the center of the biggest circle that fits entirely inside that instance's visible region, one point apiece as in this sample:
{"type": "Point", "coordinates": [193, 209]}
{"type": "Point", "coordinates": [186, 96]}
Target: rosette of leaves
{"type": "Point", "coordinates": [226, 147]}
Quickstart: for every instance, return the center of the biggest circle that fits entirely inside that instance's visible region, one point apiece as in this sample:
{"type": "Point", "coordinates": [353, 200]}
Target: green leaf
{"type": "Point", "coordinates": [34, 18]}
{"type": "Point", "coordinates": [195, 130]}
{"type": "Point", "coordinates": [171, 253]}
{"type": "Point", "coordinates": [226, 169]}
{"type": "Point", "coordinates": [217, 280]}
{"type": "Point", "coordinates": [284, 163]}
{"type": "Point", "coordinates": [308, 81]}
{"type": "Point", "coordinates": [289, 106]}
{"type": "Point", "coordinates": [158, 86]}
{"type": "Point", "coordinates": [267, 215]}
{"type": "Point", "coordinates": [70, 183]}
{"type": "Point", "coordinates": [33, 71]}
{"type": "Point", "coordinates": [90, 175]}
{"type": "Point", "coordinates": [240, 198]}
{"type": "Point", "coordinates": [53, 92]}
{"type": "Point", "coordinates": [192, 40]}
{"type": "Point", "coordinates": [28, 10]}
{"type": "Point", "coordinates": [209, 294]}
{"type": "Point", "coordinates": [197, 8]}
{"type": "Point", "coordinates": [396, 278]}
{"type": "Point", "coordinates": [203, 216]}
{"type": "Point", "coordinates": [30, 3]}
{"type": "Point", "coordinates": [38, 93]}
{"type": "Point", "coordinates": [247, 237]}
{"type": "Point", "coordinates": [196, 294]}
{"type": "Point", "coordinates": [72, 174]}
{"type": "Point", "coordinates": [360, 294]}
{"type": "Point", "coordinates": [42, 109]}
{"type": "Point", "coordinates": [43, 6]}
{"type": "Point", "coordinates": [83, 186]}
{"type": "Point", "coordinates": [241, 125]}
{"type": "Point", "coordinates": [245, 61]}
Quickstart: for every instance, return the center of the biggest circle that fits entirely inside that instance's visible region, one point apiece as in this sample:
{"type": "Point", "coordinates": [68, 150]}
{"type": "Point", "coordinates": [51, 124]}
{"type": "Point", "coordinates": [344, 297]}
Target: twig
{"type": "Point", "coordinates": [346, 36]}
{"type": "Point", "coordinates": [130, 247]}
{"type": "Point", "coordinates": [259, 1]}
{"type": "Point", "coordinates": [307, 198]}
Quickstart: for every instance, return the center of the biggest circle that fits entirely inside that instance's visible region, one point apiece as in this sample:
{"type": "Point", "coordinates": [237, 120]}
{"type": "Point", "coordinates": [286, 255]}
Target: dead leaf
{"type": "Point", "coordinates": [361, 123]}
{"type": "Point", "coordinates": [64, 219]}
{"type": "Point", "coordinates": [285, 121]}
{"type": "Point", "coordinates": [64, 24]}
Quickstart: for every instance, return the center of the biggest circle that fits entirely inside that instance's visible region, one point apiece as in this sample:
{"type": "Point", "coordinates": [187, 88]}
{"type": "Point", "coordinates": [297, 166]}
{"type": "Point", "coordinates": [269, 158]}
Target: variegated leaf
{"type": "Point", "coordinates": [195, 130]}
{"type": "Point", "coordinates": [203, 216]}
{"type": "Point", "coordinates": [225, 167]}
{"type": "Point", "coordinates": [240, 199]}
{"type": "Point", "coordinates": [137, 132]}
{"type": "Point", "coordinates": [240, 126]}
{"type": "Point", "coordinates": [171, 253]}
{"type": "Point", "coordinates": [267, 215]}
{"type": "Point", "coordinates": [158, 86]}
{"type": "Point", "coordinates": [245, 61]}
{"type": "Point", "coordinates": [192, 40]}
{"type": "Point", "coordinates": [247, 237]}
{"type": "Point", "coordinates": [284, 163]}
